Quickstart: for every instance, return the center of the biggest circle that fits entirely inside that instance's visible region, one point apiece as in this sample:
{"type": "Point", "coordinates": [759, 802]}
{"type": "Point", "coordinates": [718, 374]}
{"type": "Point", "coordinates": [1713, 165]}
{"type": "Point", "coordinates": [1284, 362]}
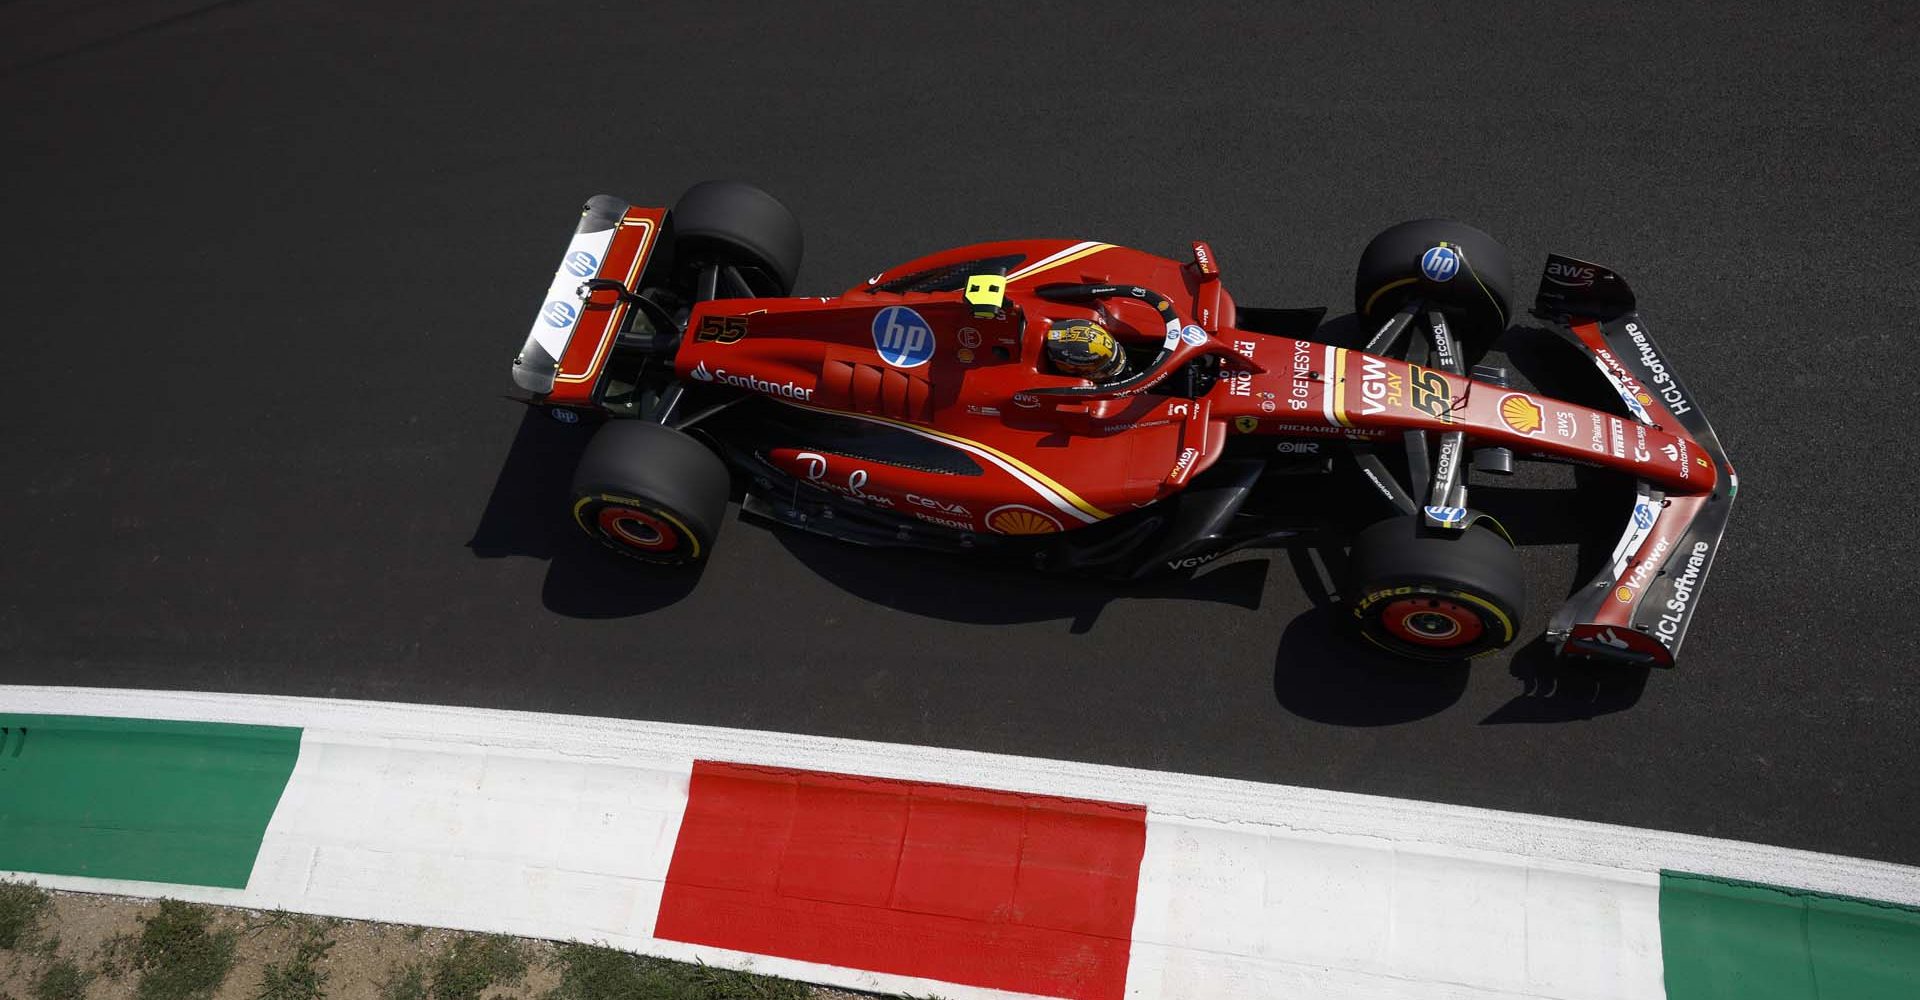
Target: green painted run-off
{"type": "Point", "coordinates": [1727, 940]}
{"type": "Point", "coordinates": [181, 802]}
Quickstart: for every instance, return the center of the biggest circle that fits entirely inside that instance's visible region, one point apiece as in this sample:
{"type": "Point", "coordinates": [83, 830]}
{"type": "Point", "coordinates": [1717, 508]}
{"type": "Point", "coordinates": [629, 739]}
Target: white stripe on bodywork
{"type": "Point", "coordinates": [1051, 259]}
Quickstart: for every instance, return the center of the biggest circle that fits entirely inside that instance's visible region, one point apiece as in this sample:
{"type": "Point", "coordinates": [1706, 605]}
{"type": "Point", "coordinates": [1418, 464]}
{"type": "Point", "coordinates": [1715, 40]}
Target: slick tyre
{"type": "Point", "coordinates": [650, 493]}
{"type": "Point", "coordinates": [727, 222]}
{"type": "Point", "coordinates": [1455, 268]}
{"type": "Point", "coordinates": [1431, 597]}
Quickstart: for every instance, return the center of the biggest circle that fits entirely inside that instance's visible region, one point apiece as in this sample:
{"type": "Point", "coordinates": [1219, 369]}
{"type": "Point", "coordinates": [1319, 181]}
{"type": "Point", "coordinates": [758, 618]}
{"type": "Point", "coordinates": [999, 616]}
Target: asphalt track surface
{"type": "Point", "coordinates": [265, 266]}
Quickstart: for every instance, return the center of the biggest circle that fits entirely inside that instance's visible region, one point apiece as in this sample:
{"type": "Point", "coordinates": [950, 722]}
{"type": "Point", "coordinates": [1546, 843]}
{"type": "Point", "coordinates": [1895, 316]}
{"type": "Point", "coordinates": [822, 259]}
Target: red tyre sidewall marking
{"type": "Point", "coordinates": [1467, 625]}
{"type": "Point", "coordinates": [617, 522]}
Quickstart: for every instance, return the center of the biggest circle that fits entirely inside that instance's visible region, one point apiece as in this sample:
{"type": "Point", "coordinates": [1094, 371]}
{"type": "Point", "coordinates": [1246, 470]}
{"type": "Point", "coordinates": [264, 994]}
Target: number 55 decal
{"type": "Point", "coordinates": [1431, 392]}
{"type": "Point", "coordinates": [721, 329]}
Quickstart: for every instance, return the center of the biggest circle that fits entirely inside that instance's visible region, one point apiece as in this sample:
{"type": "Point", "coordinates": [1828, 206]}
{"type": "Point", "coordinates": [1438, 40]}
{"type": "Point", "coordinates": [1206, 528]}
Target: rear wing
{"type": "Point", "coordinates": [572, 333]}
{"type": "Point", "coordinates": [1637, 609]}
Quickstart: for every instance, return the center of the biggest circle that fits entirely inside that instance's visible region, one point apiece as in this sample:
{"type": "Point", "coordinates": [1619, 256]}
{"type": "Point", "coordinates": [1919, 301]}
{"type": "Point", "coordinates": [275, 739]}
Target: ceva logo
{"type": "Point", "coordinates": [903, 339]}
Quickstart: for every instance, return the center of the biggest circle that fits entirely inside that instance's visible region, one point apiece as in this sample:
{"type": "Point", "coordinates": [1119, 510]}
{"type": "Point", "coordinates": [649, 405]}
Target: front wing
{"type": "Point", "coordinates": [1637, 609]}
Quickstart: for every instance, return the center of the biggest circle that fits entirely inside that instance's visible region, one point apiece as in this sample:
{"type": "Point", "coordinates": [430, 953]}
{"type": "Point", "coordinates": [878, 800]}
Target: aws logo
{"type": "Point", "coordinates": [1571, 275]}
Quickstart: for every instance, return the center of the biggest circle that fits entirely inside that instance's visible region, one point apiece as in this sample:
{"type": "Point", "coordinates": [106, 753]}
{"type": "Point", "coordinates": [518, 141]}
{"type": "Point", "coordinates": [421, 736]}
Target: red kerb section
{"type": "Point", "coordinates": [998, 889]}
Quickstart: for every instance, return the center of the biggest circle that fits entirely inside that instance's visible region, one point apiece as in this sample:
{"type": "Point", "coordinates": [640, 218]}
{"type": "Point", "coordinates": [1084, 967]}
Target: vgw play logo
{"type": "Point", "coordinates": [903, 339]}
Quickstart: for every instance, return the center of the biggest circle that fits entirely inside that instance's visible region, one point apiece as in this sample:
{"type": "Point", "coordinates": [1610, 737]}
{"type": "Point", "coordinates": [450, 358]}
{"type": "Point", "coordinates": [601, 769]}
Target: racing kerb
{"type": "Point", "coordinates": [913, 869]}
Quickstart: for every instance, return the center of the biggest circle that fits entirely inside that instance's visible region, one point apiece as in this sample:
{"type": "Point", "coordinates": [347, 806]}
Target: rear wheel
{"type": "Point", "coordinates": [730, 223]}
{"type": "Point", "coordinates": [1435, 597]}
{"type": "Point", "coordinates": [1453, 267]}
{"type": "Point", "coordinates": [650, 492]}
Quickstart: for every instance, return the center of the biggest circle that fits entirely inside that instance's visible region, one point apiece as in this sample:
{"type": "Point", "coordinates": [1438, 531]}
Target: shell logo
{"type": "Point", "coordinates": [1016, 519]}
{"type": "Point", "coordinates": [1521, 414]}
{"type": "Point", "coordinates": [1623, 595]}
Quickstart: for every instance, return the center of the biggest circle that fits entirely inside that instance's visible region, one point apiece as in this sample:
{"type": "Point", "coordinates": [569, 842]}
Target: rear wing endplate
{"type": "Point", "coordinates": [568, 341]}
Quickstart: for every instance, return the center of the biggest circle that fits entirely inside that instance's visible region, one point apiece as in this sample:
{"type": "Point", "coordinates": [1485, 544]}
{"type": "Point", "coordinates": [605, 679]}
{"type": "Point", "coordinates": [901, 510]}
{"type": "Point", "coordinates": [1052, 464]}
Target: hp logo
{"type": "Point", "coordinates": [581, 264]}
{"type": "Point", "coordinates": [1440, 263]}
{"type": "Point", "coordinates": [558, 314]}
{"type": "Point", "coordinates": [903, 339]}
{"type": "Point", "coordinates": [1642, 516]}
{"type": "Point", "coordinates": [1447, 515]}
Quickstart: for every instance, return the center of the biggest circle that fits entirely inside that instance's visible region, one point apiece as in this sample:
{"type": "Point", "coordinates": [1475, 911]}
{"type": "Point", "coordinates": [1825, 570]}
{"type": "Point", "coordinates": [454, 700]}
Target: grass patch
{"type": "Point", "coordinates": [593, 972]}
{"type": "Point", "coordinates": [22, 904]}
{"type": "Point", "coordinates": [179, 955]}
{"type": "Point", "coordinates": [63, 980]}
{"type": "Point", "coordinates": [299, 977]}
{"type": "Point", "coordinates": [114, 957]}
{"type": "Point", "coordinates": [405, 982]}
{"type": "Point", "coordinates": [474, 962]}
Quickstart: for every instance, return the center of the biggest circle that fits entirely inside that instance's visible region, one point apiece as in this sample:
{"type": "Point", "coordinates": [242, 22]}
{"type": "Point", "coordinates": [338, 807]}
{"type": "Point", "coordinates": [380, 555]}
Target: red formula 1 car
{"type": "Point", "coordinates": [1081, 407]}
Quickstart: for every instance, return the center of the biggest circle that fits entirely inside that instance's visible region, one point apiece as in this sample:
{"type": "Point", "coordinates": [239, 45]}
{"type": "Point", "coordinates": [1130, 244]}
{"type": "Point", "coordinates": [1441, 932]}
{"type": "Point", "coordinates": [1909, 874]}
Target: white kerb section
{"type": "Point", "coordinates": [1247, 910]}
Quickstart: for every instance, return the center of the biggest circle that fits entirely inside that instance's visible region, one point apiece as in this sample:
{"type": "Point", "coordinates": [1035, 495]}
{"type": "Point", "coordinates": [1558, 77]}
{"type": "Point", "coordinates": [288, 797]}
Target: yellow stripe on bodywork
{"type": "Point", "coordinates": [1339, 387]}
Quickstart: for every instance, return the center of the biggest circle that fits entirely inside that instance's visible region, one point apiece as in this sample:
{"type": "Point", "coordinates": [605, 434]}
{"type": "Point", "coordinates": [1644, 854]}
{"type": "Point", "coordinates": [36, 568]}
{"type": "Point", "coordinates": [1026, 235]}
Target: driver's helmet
{"type": "Point", "coordinates": [1084, 348]}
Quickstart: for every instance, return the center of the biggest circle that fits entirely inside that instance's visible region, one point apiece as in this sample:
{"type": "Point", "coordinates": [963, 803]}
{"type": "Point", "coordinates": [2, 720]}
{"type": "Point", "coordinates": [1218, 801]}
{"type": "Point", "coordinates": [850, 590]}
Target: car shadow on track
{"type": "Point", "coordinates": [1558, 690]}
{"type": "Point", "coordinates": [525, 516]}
{"type": "Point", "coordinates": [1322, 674]}
{"type": "Point", "coordinates": [949, 587]}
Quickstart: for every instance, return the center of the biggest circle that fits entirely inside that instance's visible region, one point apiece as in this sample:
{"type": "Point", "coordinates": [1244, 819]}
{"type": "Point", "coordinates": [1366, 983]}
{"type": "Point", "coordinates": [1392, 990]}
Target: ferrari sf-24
{"type": "Point", "coordinates": [1071, 406]}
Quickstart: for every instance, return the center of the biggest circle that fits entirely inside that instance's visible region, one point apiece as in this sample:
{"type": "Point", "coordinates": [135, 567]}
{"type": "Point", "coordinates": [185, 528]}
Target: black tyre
{"type": "Point", "coordinates": [1455, 268]}
{"type": "Point", "coordinates": [1429, 597]}
{"type": "Point", "coordinates": [650, 492]}
{"type": "Point", "coordinates": [727, 222]}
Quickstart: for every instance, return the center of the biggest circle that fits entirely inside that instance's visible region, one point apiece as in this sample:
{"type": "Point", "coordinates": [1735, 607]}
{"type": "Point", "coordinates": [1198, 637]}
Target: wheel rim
{"type": "Point", "coordinates": [1432, 622]}
{"type": "Point", "coordinates": [638, 529]}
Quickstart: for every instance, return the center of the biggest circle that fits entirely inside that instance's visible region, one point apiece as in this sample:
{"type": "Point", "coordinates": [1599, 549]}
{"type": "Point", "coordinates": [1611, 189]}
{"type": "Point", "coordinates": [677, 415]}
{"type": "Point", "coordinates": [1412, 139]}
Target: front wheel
{"type": "Point", "coordinates": [1452, 267]}
{"type": "Point", "coordinates": [650, 493]}
{"type": "Point", "coordinates": [1435, 597]}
